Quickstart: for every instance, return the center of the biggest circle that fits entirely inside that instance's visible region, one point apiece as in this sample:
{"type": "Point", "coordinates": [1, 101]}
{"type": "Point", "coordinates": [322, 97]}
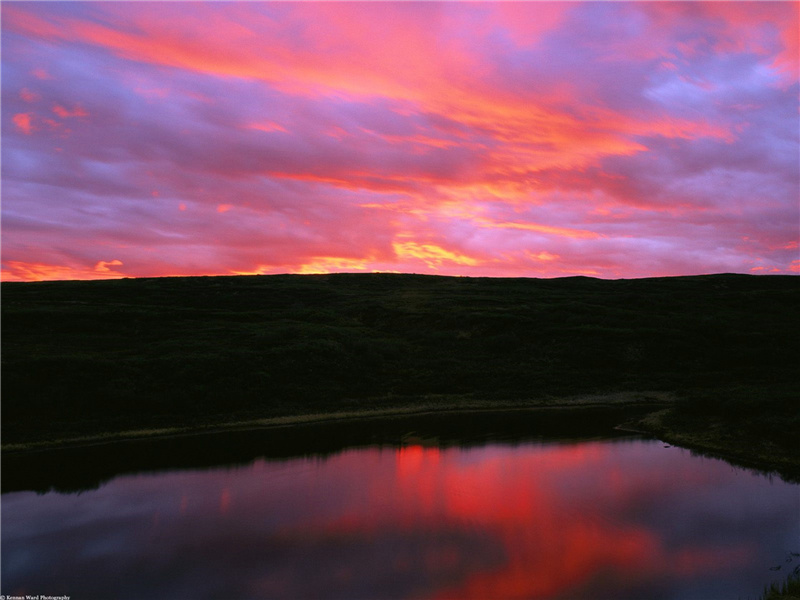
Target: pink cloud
{"type": "Point", "coordinates": [743, 27]}
{"type": "Point", "coordinates": [620, 139]}
{"type": "Point", "coordinates": [266, 126]}
{"type": "Point", "coordinates": [65, 113]}
{"type": "Point", "coordinates": [24, 122]}
{"type": "Point", "coordinates": [29, 96]}
{"type": "Point", "coordinates": [41, 74]}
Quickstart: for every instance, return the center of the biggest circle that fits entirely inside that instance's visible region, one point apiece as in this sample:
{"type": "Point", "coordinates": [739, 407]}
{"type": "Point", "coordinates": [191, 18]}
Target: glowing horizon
{"type": "Point", "coordinates": [537, 139]}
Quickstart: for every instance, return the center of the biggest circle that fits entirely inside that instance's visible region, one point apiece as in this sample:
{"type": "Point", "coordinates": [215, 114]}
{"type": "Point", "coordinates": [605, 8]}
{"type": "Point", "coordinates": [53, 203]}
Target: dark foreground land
{"type": "Point", "coordinates": [715, 357]}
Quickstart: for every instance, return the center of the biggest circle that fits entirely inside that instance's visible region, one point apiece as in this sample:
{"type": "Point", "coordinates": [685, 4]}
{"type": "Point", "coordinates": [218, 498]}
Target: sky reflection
{"type": "Point", "coordinates": [600, 519]}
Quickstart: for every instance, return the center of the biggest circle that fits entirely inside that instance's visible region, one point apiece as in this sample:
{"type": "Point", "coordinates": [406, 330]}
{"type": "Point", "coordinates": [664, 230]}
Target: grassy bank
{"type": "Point", "coordinates": [753, 427]}
{"type": "Point", "coordinates": [87, 359]}
{"type": "Point", "coordinates": [622, 406]}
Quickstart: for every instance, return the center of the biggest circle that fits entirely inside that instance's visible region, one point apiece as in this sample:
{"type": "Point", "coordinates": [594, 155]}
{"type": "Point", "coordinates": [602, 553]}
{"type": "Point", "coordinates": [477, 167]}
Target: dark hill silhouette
{"type": "Point", "coordinates": [82, 357]}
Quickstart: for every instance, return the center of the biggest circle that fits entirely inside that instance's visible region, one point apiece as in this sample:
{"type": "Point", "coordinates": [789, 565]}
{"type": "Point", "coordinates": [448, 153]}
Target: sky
{"type": "Point", "coordinates": [523, 139]}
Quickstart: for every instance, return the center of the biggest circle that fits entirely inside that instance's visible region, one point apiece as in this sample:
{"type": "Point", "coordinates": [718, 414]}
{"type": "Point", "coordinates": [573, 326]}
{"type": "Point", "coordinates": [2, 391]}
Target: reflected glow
{"type": "Point", "coordinates": [629, 519]}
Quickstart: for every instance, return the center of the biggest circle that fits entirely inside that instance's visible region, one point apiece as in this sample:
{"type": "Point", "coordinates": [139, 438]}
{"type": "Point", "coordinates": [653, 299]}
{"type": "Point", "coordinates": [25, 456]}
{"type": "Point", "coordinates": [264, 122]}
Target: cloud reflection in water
{"type": "Point", "coordinates": [595, 519]}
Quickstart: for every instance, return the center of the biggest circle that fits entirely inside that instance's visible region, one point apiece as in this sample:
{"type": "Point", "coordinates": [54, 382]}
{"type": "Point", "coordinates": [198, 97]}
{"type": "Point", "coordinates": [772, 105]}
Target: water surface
{"type": "Point", "coordinates": [420, 518]}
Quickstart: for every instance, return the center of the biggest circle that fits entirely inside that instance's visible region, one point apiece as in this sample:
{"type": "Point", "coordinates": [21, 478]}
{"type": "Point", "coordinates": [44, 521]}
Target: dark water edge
{"type": "Point", "coordinates": [716, 437]}
{"type": "Point", "coordinates": [789, 472]}
{"type": "Point", "coordinates": [81, 468]}
{"type": "Point", "coordinates": [487, 511]}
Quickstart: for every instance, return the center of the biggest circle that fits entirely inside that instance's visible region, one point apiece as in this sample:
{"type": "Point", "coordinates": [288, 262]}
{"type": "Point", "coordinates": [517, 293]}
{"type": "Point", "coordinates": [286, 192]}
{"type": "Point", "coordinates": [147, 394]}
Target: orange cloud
{"type": "Point", "coordinates": [103, 266]}
{"type": "Point", "coordinates": [332, 264]}
{"type": "Point", "coordinates": [25, 271]}
{"type": "Point", "coordinates": [548, 229]}
{"type": "Point", "coordinates": [433, 256]}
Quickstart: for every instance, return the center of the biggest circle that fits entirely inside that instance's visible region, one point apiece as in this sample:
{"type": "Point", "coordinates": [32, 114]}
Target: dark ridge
{"type": "Point", "coordinates": [89, 357]}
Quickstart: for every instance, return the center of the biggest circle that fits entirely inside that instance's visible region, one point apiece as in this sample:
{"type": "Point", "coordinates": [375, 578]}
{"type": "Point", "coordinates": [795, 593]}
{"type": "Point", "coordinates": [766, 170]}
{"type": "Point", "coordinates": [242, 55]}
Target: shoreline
{"type": "Point", "coordinates": [615, 401]}
{"type": "Point", "coordinates": [719, 441]}
{"type": "Point", "coordinates": [648, 413]}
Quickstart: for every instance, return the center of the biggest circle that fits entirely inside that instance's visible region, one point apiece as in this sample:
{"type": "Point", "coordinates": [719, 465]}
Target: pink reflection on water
{"type": "Point", "coordinates": [224, 501]}
{"type": "Point", "coordinates": [592, 519]}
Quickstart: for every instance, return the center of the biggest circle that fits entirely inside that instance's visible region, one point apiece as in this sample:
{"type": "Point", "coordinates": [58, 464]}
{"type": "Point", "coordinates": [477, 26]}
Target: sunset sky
{"type": "Point", "coordinates": [531, 139]}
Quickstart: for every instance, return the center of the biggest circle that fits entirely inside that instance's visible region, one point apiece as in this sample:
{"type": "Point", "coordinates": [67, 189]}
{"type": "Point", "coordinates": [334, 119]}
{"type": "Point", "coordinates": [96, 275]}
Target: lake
{"type": "Point", "coordinates": [415, 511]}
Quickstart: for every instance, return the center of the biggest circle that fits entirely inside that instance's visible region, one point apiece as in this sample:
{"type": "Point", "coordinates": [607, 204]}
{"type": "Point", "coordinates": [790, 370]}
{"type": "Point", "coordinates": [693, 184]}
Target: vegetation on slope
{"type": "Point", "coordinates": [83, 357]}
{"type": "Point", "coordinates": [786, 590]}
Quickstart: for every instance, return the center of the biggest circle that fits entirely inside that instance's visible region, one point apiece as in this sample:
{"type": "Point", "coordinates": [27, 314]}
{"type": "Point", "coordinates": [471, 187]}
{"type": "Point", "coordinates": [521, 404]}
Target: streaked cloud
{"type": "Point", "coordinates": [541, 139]}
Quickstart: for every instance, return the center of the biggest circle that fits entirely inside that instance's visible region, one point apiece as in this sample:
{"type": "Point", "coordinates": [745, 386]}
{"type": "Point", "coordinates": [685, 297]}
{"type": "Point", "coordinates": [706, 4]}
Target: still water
{"type": "Point", "coordinates": [621, 517]}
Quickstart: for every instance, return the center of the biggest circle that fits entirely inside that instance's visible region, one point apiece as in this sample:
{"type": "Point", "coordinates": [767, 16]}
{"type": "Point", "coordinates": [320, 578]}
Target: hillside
{"type": "Point", "coordinates": [81, 357]}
